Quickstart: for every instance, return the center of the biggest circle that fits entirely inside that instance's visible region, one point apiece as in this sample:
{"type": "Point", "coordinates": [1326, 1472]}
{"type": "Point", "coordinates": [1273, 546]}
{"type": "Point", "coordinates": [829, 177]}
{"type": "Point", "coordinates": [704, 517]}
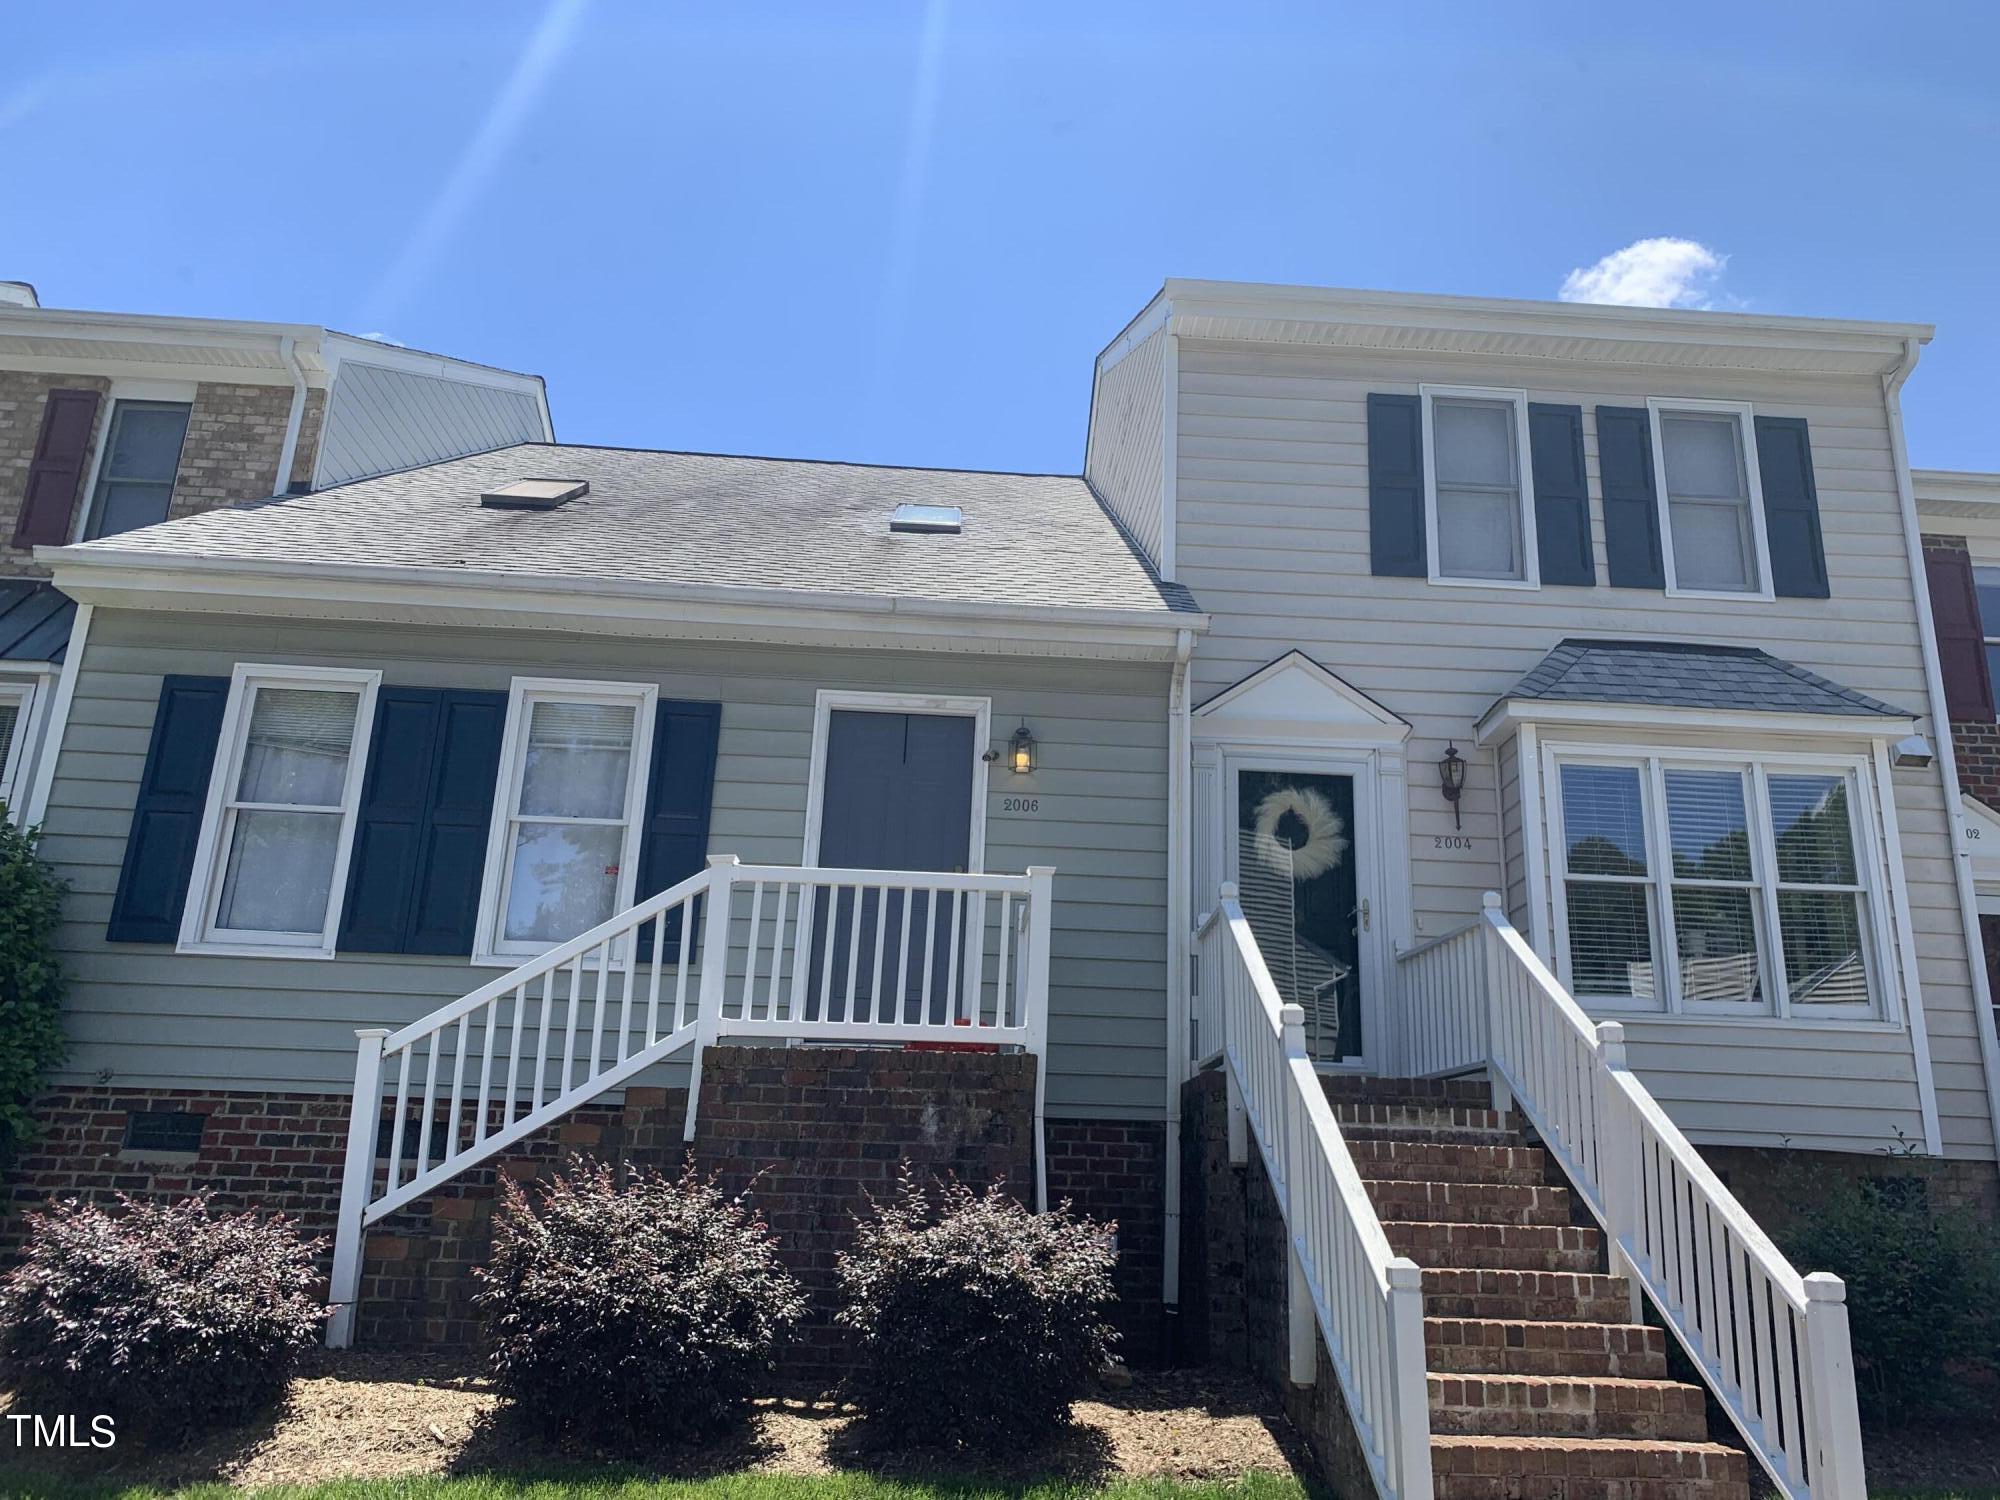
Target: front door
{"type": "Point", "coordinates": [1295, 853]}
{"type": "Point", "coordinates": [896, 795]}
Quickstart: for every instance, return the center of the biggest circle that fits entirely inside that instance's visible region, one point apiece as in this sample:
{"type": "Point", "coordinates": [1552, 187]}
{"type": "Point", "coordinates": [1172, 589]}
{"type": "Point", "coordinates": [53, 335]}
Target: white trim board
{"type": "Point", "coordinates": [979, 710]}
{"type": "Point", "coordinates": [1511, 713]}
{"type": "Point", "coordinates": [1524, 498]}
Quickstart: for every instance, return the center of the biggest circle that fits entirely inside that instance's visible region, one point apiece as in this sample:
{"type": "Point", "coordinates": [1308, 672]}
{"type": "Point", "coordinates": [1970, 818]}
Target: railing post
{"type": "Point", "coordinates": [1303, 1350]}
{"type": "Point", "coordinates": [1835, 1421]}
{"type": "Point", "coordinates": [1226, 979]}
{"type": "Point", "coordinates": [1035, 1009]}
{"type": "Point", "coordinates": [1407, 1443]}
{"type": "Point", "coordinates": [357, 1176]}
{"type": "Point", "coordinates": [1489, 907]}
{"type": "Point", "coordinates": [718, 899]}
{"type": "Point", "coordinates": [1618, 1164]}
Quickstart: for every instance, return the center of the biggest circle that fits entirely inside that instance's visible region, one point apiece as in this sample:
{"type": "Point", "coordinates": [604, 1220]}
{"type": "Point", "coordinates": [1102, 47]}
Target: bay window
{"type": "Point", "coordinates": [1707, 885]}
{"type": "Point", "coordinates": [272, 861]}
{"type": "Point", "coordinates": [563, 853]}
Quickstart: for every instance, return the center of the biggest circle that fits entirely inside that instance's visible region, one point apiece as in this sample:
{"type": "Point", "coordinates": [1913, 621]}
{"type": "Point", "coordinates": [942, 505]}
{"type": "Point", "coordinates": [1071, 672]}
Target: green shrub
{"type": "Point", "coordinates": [978, 1324]}
{"type": "Point", "coordinates": [165, 1316]}
{"type": "Point", "coordinates": [1920, 1287]}
{"type": "Point", "coordinates": [31, 982]}
{"type": "Point", "coordinates": [637, 1314]}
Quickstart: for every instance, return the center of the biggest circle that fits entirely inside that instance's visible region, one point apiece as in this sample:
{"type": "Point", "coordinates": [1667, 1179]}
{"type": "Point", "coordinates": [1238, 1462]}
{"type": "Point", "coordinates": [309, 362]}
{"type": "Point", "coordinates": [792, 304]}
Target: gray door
{"type": "Point", "coordinates": [897, 795]}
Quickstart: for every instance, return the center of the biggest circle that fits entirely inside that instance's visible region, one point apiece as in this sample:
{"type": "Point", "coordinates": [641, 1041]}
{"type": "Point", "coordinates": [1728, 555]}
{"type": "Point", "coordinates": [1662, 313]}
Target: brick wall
{"type": "Point", "coordinates": [812, 1132]}
{"type": "Point", "coordinates": [1771, 1182]}
{"type": "Point", "coordinates": [235, 434]}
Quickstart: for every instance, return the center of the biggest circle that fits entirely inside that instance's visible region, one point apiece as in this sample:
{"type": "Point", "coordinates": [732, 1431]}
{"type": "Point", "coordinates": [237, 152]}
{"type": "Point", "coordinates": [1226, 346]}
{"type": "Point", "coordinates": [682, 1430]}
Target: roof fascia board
{"type": "Point", "coordinates": [1955, 492]}
{"type": "Point", "coordinates": [1511, 713]}
{"type": "Point", "coordinates": [609, 606]}
{"type": "Point", "coordinates": [158, 369]}
{"type": "Point", "coordinates": [346, 348]}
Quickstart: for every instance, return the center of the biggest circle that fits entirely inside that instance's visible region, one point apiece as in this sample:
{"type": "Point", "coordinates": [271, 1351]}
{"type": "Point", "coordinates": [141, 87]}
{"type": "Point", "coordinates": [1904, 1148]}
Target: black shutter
{"type": "Point", "coordinates": [1961, 638]}
{"type": "Point", "coordinates": [1791, 508]}
{"type": "Point", "coordinates": [679, 787]}
{"type": "Point", "coordinates": [48, 499]}
{"type": "Point", "coordinates": [420, 836]}
{"type": "Point", "coordinates": [166, 822]}
{"type": "Point", "coordinates": [1396, 487]}
{"type": "Point", "coordinates": [1562, 494]}
{"type": "Point", "coordinates": [1631, 508]}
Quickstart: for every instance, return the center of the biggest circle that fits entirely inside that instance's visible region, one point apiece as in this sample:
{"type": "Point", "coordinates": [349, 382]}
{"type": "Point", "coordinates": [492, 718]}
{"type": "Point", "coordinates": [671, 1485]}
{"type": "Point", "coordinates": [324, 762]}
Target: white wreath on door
{"type": "Point", "coordinates": [1326, 833]}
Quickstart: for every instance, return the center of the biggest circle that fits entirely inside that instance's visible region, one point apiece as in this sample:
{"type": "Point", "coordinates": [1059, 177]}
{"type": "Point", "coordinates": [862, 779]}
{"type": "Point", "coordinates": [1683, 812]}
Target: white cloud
{"type": "Point", "coordinates": [1649, 273]}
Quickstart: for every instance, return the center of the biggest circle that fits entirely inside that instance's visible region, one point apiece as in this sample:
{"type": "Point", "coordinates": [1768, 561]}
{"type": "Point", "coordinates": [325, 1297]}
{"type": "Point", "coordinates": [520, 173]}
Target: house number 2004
{"type": "Point", "coordinates": [1021, 804]}
{"type": "Point", "coordinates": [1451, 841]}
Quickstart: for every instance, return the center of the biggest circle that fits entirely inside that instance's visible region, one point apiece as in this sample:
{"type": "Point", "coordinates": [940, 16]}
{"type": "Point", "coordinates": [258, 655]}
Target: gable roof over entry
{"type": "Point", "coordinates": [1294, 697]}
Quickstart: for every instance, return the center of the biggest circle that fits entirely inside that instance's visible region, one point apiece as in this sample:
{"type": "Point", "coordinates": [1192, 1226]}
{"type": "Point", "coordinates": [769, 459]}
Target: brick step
{"type": "Point", "coordinates": [1505, 1247]}
{"type": "Point", "coordinates": [1440, 1134]}
{"type": "Point", "coordinates": [1468, 1202]}
{"type": "Point", "coordinates": [1507, 1468]}
{"type": "Point", "coordinates": [1388, 1158]}
{"type": "Point", "coordinates": [1501, 1346]}
{"type": "Point", "coordinates": [1467, 1093]}
{"type": "Point", "coordinates": [1524, 1296]}
{"type": "Point", "coordinates": [1567, 1406]}
{"type": "Point", "coordinates": [1423, 1116]}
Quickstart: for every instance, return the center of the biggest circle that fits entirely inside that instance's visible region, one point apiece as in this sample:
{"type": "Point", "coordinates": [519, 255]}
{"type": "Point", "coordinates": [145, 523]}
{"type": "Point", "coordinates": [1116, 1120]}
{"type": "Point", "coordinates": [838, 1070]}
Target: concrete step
{"type": "Point", "coordinates": [1386, 1158]}
{"type": "Point", "coordinates": [1510, 1468]}
{"type": "Point", "coordinates": [1524, 1296]}
{"type": "Point", "coordinates": [1515, 1346]}
{"type": "Point", "coordinates": [1507, 1247]}
{"type": "Point", "coordinates": [1567, 1406]}
{"type": "Point", "coordinates": [1469, 1202]}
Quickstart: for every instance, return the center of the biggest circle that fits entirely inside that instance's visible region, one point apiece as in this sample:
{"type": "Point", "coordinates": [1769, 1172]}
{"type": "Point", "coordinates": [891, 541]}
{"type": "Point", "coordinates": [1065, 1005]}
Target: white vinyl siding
{"type": "Point", "coordinates": [1273, 540]}
{"type": "Point", "coordinates": [1099, 816]}
{"type": "Point", "coordinates": [1126, 464]}
{"type": "Point", "coordinates": [379, 420]}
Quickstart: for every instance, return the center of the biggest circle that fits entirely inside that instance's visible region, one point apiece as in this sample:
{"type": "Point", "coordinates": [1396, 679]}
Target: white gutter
{"type": "Point", "coordinates": [1180, 881]}
{"type": "Point", "coordinates": [1961, 862]}
{"type": "Point", "coordinates": [288, 352]}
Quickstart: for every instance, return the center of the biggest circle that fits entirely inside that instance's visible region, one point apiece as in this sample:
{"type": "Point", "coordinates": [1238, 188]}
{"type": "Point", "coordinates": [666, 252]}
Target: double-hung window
{"type": "Point", "coordinates": [135, 477]}
{"type": "Point", "coordinates": [1711, 500]}
{"type": "Point", "coordinates": [16, 698]}
{"type": "Point", "coordinates": [1709, 885]}
{"type": "Point", "coordinates": [563, 854]}
{"type": "Point", "coordinates": [1986, 582]}
{"type": "Point", "coordinates": [272, 863]}
{"type": "Point", "coordinates": [1478, 490]}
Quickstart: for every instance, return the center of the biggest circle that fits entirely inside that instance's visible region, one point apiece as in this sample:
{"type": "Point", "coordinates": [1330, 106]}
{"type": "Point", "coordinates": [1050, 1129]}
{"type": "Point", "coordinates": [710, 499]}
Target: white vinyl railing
{"type": "Point", "coordinates": [1771, 1344]}
{"type": "Point", "coordinates": [819, 955]}
{"type": "Point", "coordinates": [1366, 1300]}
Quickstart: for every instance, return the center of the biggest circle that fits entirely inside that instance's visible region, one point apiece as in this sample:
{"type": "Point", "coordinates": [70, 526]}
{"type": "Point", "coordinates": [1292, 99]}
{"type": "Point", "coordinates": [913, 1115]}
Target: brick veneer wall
{"type": "Point", "coordinates": [1235, 1284]}
{"type": "Point", "coordinates": [810, 1131]}
{"type": "Point", "coordinates": [235, 434]}
{"type": "Point", "coordinates": [1772, 1182]}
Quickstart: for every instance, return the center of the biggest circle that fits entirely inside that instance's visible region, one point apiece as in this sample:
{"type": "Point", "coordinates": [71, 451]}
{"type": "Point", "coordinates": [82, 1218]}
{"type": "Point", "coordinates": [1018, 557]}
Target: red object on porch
{"type": "Point", "coordinates": [953, 1046]}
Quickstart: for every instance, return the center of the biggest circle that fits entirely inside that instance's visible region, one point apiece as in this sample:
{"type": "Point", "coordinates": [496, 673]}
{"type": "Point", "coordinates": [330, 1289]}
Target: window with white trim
{"type": "Point", "coordinates": [1986, 584]}
{"type": "Point", "coordinates": [16, 699]}
{"type": "Point", "coordinates": [1711, 501]}
{"type": "Point", "coordinates": [142, 459]}
{"type": "Point", "coordinates": [1478, 493]}
{"type": "Point", "coordinates": [1716, 886]}
{"type": "Point", "coordinates": [564, 851]}
{"type": "Point", "coordinates": [272, 863]}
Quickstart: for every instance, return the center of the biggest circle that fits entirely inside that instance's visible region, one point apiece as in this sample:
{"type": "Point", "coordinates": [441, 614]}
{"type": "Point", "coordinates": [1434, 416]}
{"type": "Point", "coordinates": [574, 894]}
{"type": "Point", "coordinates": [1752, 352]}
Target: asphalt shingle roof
{"type": "Point", "coordinates": [1686, 674]}
{"type": "Point", "coordinates": [706, 519]}
{"type": "Point", "coordinates": [34, 620]}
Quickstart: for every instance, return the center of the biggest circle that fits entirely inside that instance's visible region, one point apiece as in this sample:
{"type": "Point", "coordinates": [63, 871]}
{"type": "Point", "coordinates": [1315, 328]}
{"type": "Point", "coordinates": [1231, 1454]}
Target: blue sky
{"type": "Point", "coordinates": [899, 232]}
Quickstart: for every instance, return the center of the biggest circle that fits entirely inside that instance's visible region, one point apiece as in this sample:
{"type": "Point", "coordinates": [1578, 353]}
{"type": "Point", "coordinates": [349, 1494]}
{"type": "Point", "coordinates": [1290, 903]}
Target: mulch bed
{"type": "Point", "coordinates": [1961, 1457]}
{"type": "Point", "coordinates": [371, 1415]}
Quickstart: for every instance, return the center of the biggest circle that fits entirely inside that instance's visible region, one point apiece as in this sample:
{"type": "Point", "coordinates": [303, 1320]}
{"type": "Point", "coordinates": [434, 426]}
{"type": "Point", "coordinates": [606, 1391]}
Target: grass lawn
{"type": "Point", "coordinates": [596, 1484]}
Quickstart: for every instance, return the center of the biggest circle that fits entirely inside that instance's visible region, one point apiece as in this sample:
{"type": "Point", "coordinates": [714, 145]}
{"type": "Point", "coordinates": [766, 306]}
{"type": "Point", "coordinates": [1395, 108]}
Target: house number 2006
{"type": "Point", "coordinates": [1021, 804]}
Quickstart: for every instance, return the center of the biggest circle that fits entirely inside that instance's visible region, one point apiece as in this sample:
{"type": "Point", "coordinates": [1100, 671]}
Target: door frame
{"type": "Point", "coordinates": [1370, 843]}
{"type": "Point", "coordinates": [979, 710]}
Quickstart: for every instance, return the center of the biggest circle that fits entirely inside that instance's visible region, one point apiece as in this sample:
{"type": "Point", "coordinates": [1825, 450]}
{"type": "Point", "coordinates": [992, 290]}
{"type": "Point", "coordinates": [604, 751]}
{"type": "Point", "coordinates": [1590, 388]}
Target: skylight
{"type": "Point", "coordinates": [535, 494]}
{"type": "Point", "coordinates": [927, 518]}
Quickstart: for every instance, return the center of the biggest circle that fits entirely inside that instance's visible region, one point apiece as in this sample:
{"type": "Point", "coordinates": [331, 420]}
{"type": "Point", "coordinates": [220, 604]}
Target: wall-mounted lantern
{"type": "Point", "coordinates": [1451, 780]}
{"type": "Point", "coordinates": [1021, 752]}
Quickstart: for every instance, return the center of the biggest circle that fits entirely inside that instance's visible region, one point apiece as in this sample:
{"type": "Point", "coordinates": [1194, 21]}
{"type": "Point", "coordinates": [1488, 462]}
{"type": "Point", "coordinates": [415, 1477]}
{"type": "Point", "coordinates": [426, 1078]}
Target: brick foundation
{"type": "Point", "coordinates": [1771, 1182]}
{"type": "Point", "coordinates": [812, 1132]}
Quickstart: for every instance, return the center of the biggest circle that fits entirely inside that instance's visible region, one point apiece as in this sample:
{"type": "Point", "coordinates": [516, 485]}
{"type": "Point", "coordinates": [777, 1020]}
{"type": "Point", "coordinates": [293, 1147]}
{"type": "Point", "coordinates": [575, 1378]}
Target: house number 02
{"type": "Point", "coordinates": [1020, 804]}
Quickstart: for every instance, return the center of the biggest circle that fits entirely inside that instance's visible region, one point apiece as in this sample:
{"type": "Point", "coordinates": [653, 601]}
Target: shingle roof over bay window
{"type": "Point", "coordinates": [1686, 674]}
{"type": "Point", "coordinates": [1039, 540]}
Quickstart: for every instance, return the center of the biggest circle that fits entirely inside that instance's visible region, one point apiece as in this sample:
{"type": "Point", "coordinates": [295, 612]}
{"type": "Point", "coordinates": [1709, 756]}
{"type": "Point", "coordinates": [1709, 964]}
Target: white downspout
{"type": "Point", "coordinates": [1179, 923]}
{"type": "Point", "coordinates": [288, 352]}
{"type": "Point", "coordinates": [1940, 716]}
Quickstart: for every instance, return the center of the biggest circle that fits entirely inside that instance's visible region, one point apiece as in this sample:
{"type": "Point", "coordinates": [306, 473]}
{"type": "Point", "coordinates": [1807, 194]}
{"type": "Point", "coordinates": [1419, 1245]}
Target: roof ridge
{"type": "Point", "coordinates": [776, 458]}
